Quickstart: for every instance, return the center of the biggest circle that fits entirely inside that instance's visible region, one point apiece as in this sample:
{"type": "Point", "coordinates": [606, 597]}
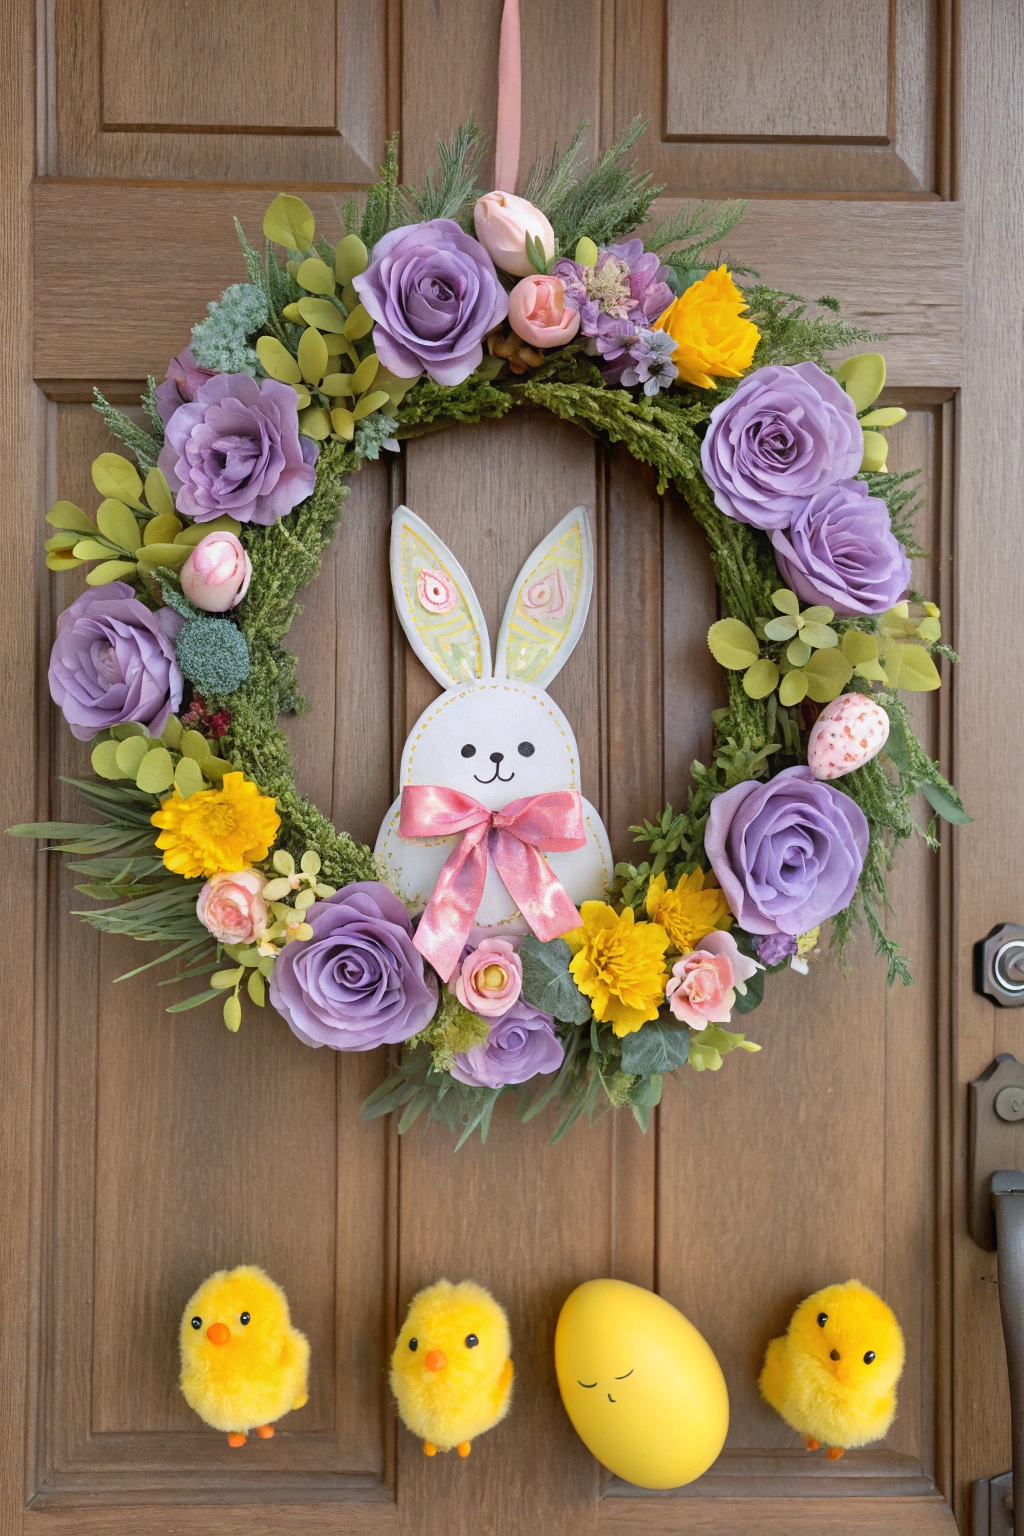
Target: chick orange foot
{"type": "Point", "coordinates": [464, 1448]}
{"type": "Point", "coordinates": [265, 1431]}
{"type": "Point", "coordinates": [834, 1452]}
{"type": "Point", "coordinates": [235, 1440]}
{"type": "Point", "coordinates": [428, 1449]}
{"type": "Point", "coordinates": [811, 1443]}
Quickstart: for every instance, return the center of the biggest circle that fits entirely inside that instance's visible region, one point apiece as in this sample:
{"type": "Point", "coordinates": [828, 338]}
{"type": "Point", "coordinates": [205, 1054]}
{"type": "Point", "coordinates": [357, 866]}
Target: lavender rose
{"type": "Point", "coordinates": [840, 550]}
{"type": "Point", "coordinates": [788, 854]}
{"type": "Point", "coordinates": [235, 448]}
{"type": "Point", "coordinates": [434, 294]}
{"type": "Point", "coordinates": [785, 434]}
{"type": "Point", "coordinates": [359, 982]}
{"type": "Point", "coordinates": [773, 948]}
{"type": "Point", "coordinates": [522, 1043]}
{"type": "Point", "coordinates": [184, 377]}
{"type": "Point", "coordinates": [113, 660]}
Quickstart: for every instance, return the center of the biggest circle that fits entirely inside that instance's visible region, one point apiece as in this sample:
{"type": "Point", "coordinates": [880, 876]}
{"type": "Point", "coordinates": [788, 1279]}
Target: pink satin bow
{"type": "Point", "coordinates": [513, 837]}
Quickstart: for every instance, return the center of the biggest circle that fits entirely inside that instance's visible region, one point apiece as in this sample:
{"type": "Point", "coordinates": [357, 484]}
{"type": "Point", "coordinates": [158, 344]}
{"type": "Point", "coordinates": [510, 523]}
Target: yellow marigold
{"type": "Point", "coordinates": [217, 829]}
{"type": "Point", "coordinates": [689, 912]}
{"type": "Point", "coordinates": [712, 339]}
{"type": "Point", "coordinates": [619, 964]}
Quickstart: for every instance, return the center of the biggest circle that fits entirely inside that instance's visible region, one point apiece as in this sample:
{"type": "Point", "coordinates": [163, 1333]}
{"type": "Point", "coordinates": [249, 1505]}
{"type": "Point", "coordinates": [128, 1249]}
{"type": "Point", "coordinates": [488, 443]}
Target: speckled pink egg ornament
{"type": "Point", "coordinates": [848, 733]}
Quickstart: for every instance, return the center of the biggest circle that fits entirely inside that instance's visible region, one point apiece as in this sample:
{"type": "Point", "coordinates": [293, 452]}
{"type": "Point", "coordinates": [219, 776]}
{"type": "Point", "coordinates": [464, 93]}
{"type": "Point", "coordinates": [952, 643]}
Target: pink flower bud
{"type": "Point", "coordinates": [537, 312]}
{"type": "Point", "coordinates": [232, 908]}
{"type": "Point", "coordinates": [216, 575]}
{"type": "Point", "coordinates": [503, 222]}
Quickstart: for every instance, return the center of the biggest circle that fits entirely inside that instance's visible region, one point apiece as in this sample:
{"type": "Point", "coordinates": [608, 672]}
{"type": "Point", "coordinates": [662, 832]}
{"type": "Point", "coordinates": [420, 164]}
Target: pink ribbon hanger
{"type": "Point", "coordinates": [510, 101]}
{"type": "Point", "coordinates": [514, 839]}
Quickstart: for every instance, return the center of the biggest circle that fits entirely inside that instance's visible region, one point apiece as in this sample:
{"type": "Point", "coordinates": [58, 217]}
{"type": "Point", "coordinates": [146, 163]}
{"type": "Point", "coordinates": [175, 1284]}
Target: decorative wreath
{"type": "Point", "coordinates": [492, 940]}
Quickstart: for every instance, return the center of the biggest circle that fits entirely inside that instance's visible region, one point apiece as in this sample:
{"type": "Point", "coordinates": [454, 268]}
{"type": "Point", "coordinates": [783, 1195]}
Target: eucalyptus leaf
{"type": "Point", "coordinates": [862, 377]}
{"type": "Point", "coordinates": [907, 666]}
{"type": "Point", "coordinates": [104, 760]}
{"type": "Point", "coordinates": [111, 570]}
{"type": "Point", "coordinates": [324, 315]}
{"type": "Point", "coordinates": [780, 629]}
{"type": "Point", "coordinates": [315, 276]}
{"type": "Point", "coordinates": [188, 778]}
{"type": "Point", "coordinates": [876, 449]}
{"type": "Point", "coordinates": [358, 324]}
{"type": "Point", "coordinates": [350, 259]}
{"type": "Point", "coordinates": [733, 644]}
{"type": "Point", "coordinates": [289, 222]}
{"type": "Point", "coordinates": [277, 360]}
{"type": "Point", "coordinates": [943, 805]}
{"type": "Point", "coordinates": [113, 475]}
{"type": "Point", "coordinates": [158, 493]}
{"type": "Point", "coordinates": [64, 514]}
{"type": "Point", "coordinates": [818, 635]}
{"type": "Point", "coordinates": [655, 1048]}
{"type": "Point", "coordinates": [548, 983]}
{"type": "Point", "coordinates": [130, 753]}
{"type": "Point", "coordinates": [312, 356]}
{"type": "Point", "coordinates": [156, 771]}
{"type": "Point", "coordinates": [786, 601]}
{"type": "Point", "coordinates": [761, 679]}
{"type": "Point", "coordinates": [798, 651]}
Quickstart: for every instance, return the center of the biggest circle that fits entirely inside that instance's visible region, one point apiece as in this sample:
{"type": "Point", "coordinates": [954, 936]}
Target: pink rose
{"type": "Point", "coordinates": [702, 987]}
{"type": "Point", "coordinates": [547, 595]}
{"type": "Point", "coordinates": [490, 978]}
{"type": "Point", "coordinates": [231, 906]}
{"type": "Point", "coordinates": [216, 575]}
{"type": "Point", "coordinates": [503, 222]}
{"type": "Point", "coordinates": [537, 312]}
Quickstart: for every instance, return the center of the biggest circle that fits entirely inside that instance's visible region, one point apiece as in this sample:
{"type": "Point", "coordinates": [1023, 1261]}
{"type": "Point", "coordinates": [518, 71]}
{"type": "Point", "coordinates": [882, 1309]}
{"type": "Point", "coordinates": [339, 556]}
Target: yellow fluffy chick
{"type": "Point", "coordinates": [833, 1375]}
{"type": "Point", "coordinates": [243, 1365]}
{"type": "Point", "coordinates": [451, 1372]}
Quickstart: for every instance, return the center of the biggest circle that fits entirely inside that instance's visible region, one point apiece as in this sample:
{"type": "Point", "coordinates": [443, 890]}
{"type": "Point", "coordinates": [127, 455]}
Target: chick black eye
{"type": "Point", "coordinates": [469, 750]}
{"type": "Point", "coordinates": [245, 1319]}
{"type": "Point", "coordinates": [197, 1322]}
{"type": "Point", "coordinates": [471, 1341]}
{"type": "Point", "coordinates": [822, 1319]}
{"type": "Point", "coordinates": [414, 1345]}
{"type": "Point", "coordinates": [869, 1358]}
{"type": "Point", "coordinates": [526, 749]}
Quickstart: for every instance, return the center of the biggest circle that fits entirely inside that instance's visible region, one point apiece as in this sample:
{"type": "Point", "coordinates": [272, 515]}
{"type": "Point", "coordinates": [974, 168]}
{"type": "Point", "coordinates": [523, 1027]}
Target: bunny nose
{"type": "Point", "coordinates": [435, 1360]}
{"type": "Point", "coordinates": [218, 1333]}
{"type": "Point", "coordinates": [497, 757]}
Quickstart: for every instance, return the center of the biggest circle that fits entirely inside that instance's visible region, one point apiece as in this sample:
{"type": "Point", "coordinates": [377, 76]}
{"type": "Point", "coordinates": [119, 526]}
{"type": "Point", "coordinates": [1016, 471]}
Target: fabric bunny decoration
{"type": "Point", "coordinates": [490, 833]}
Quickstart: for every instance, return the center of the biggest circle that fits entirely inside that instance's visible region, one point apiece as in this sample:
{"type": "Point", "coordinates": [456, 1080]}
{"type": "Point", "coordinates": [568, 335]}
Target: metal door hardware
{"type": "Point", "coordinates": [999, 966]}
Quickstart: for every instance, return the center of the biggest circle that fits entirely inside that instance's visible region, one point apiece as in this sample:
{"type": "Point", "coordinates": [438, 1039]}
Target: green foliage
{"type": "Point", "coordinates": [683, 239]}
{"type": "Point", "coordinates": [548, 983]}
{"type": "Point", "coordinates": [145, 447]}
{"type": "Point", "coordinates": [601, 202]}
{"type": "Point", "coordinates": [448, 193]}
{"type": "Point", "coordinates": [213, 654]}
{"type": "Point", "coordinates": [385, 206]}
{"type": "Point", "coordinates": [221, 341]}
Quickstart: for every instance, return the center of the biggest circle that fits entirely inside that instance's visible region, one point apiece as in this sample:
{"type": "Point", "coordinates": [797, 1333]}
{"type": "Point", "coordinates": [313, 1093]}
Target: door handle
{"type": "Point", "coordinates": [1008, 1205]}
{"type": "Point", "coordinates": [996, 1213]}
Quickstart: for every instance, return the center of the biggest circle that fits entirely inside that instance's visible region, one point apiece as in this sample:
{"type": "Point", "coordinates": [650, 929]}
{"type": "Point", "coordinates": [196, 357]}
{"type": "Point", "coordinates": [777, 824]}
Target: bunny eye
{"type": "Point", "coordinates": [469, 750]}
{"type": "Point", "coordinates": [526, 749]}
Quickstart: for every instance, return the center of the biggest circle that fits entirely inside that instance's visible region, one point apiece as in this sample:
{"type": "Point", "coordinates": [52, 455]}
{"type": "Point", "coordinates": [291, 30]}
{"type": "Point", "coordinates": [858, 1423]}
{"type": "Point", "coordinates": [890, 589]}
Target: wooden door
{"type": "Point", "coordinates": [140, 1150]}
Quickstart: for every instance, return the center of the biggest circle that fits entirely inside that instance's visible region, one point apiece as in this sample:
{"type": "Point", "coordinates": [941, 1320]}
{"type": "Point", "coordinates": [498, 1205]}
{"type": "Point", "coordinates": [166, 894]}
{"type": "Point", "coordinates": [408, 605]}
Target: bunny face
{"type": "Point", "coordinates": [494, 734]}
{"type": "Point", "coordinates": [496, 741]}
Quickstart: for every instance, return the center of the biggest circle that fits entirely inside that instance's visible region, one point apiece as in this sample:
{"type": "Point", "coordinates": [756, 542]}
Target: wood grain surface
{"type": "Point", "coordinates": [139, 1149]}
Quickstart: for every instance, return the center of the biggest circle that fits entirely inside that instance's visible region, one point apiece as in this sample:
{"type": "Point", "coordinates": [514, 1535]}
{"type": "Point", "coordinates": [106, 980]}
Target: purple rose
{"type": "Point", "coordinates": [434, 294]}
{"type": "Point", "coordinates": [773, 948]}
{"type": "Point", "coordinates": [785, 434]}
{"type": "Point", "coordinates": [359, 982]}
{"type": "Point", "coordinates": [236, 449]}
{"type": "Point", "coordinates": [522, 1042]}
{"type": "Point", "coordinates": [788, 854]}
{"type": "Point", "coordinates": [184, 377]}
{"type": "Point", "coordinates": [840, 550]}
{"type": "Point", "coordinates": [113, 660]}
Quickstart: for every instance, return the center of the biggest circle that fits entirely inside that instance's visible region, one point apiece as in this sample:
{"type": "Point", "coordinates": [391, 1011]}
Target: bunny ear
{"type": "Point", "coordinates": [548, 607]}
{"type": "Point", "coordinates": [436, 603]}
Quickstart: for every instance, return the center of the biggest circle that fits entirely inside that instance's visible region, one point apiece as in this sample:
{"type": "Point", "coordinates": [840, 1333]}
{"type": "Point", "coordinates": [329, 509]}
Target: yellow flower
{"type": "Point", "coordinates": [689, 912]}
{"type": "Point", "coordinates": [216, 829]}
{"type": "Point", "coordinates": [712, 340]}
{"type": "Point", "coordinates": [619, 964]}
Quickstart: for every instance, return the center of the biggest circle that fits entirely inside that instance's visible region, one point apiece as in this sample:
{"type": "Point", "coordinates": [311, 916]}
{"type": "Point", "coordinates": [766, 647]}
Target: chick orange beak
{"type": "Point", "coordinates": [435, 1360]}
{"type": "Point", "coordinates": [843, 1371]}
{"type": "Point", "coordinates": [218, 1333]}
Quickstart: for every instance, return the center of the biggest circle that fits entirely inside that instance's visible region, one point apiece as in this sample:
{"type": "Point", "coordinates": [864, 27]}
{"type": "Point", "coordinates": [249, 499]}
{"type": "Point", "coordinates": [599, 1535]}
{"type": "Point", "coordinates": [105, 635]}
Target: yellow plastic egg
{"type": "Point", "coordinates": [642, 1387]}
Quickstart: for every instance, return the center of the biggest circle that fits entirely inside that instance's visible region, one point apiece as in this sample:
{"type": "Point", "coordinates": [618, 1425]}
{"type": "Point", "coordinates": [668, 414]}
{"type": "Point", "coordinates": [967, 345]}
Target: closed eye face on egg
{"type": "Point", "coordinates": [609, 1390]}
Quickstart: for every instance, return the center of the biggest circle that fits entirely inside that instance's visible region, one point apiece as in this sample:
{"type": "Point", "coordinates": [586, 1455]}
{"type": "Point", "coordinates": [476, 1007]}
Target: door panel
{"type": "Point", "coordinates": [145, 1149]}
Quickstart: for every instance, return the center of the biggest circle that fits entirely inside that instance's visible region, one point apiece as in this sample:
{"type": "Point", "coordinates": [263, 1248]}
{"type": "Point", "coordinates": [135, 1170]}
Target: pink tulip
{"type": "Point", "coordinates": [537, 312]}
{"type": "Point", "coordinates": [702, 987]}
{"type": "Point", "coordinates": [503, 222]}
{"type": "Point", "coordinates": [216, 575]}
{"type": "Point", "coordinates": [490, 979]}
{"type": "Point", "coordinates": [232, 908]}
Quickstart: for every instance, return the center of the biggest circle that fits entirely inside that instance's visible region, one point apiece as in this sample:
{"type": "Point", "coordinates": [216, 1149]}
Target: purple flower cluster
{"type": "Point", "coordinates": [781, 454]}
{"type": "Point", "coordinates": [618, 300]}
